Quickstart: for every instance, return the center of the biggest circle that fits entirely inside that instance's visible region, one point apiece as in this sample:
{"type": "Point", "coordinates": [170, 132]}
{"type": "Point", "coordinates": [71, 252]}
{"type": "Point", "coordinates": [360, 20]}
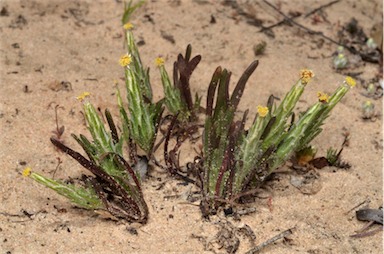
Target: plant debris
{"type": "Point", "coordinates": [373, 216]}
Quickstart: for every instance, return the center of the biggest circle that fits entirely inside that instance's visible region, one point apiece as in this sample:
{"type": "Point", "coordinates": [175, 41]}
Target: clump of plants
{"type": "Point", "coordinates": [237, 161]}
{"type": "Point", "coordinates": [233, 162]}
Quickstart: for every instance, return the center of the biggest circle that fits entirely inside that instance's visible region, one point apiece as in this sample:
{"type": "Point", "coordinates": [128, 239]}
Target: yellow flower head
{"type": "Point", "coordinates": [306, 75]}
{"type": "Point", "coordinates": [82, 96]}
{"type": "Point", "coordinates": [159, 61]}
{"type": "Point", "coordinates": [350, 81]}
{"type": "Point", "coordinates": [125, 60]}
{"type": "Point", "coordinates": [128, 26]}
{"type": "Point", "coordinates": [262, 111]}
{"type": "Point", "coordinates": [323, 97]}
{"type": "Point", "coordinates": [26, 171]}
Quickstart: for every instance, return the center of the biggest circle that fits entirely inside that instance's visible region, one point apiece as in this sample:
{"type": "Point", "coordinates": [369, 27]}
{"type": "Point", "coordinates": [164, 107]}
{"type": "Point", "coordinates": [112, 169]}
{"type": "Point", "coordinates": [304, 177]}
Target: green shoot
{"type": "Point", "coordinates": [144, 115]}
{"type": "Point", "coordinates": [129, 8]}
{"type": "Point", "coordinates": [84, 197]}
{"type": "Point", "coordinates": [178, 97]}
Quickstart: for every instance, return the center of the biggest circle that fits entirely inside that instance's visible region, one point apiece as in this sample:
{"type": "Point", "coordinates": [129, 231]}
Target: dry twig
{"type": "Point", "coordinates": [258, 248]}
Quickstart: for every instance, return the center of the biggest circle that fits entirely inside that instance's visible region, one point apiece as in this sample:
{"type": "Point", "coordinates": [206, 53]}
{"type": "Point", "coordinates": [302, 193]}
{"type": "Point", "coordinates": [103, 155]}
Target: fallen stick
{"type": "Point", "coordinates": [354, 51]}
{"type": "Point", "coordinates": [321, 7]}
{"type": "Point", "coordinates": [270, 241]}
{"type": "Point", "coordinates": [289, 19]}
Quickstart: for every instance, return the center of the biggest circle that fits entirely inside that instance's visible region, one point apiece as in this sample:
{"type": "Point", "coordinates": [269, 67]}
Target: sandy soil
{"type": "Point", "coordinates": [51, 51]}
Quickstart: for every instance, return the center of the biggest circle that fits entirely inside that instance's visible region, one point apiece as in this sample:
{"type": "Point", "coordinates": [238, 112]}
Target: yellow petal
{"type": "Point", "coordinates": [125, 60]}
{"type": "Point", "coordinates": [350, 81]}
{"type": "Point", "coordinates": [262, 111]}
{"type": "Point", "coordinates": [323, 97]}
{"type": "Point", "coordinates": [159, 61]}
{"type": "Point", "coordinates": [82, 96]}
{"type": "Point", "coordinates": [128, 26]}
{"type": "Point", "coordinates": [306, 75]}
{"type": "Point", "coordinates": [27, 171]}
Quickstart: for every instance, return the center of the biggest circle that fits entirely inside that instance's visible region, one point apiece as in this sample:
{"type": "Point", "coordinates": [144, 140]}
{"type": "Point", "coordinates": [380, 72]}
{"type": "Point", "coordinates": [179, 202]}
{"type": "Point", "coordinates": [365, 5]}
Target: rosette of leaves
{"type": "Point", "coordinates": [221, 137]}
{"type": "Point", "coordinates": [289, 137]}
{"type": "Point", "coordinates": [262, 150]}
{"type": "Point", "coordinates": [115, 186]}
{"type": "Point", "coordinates": [235, 161]}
